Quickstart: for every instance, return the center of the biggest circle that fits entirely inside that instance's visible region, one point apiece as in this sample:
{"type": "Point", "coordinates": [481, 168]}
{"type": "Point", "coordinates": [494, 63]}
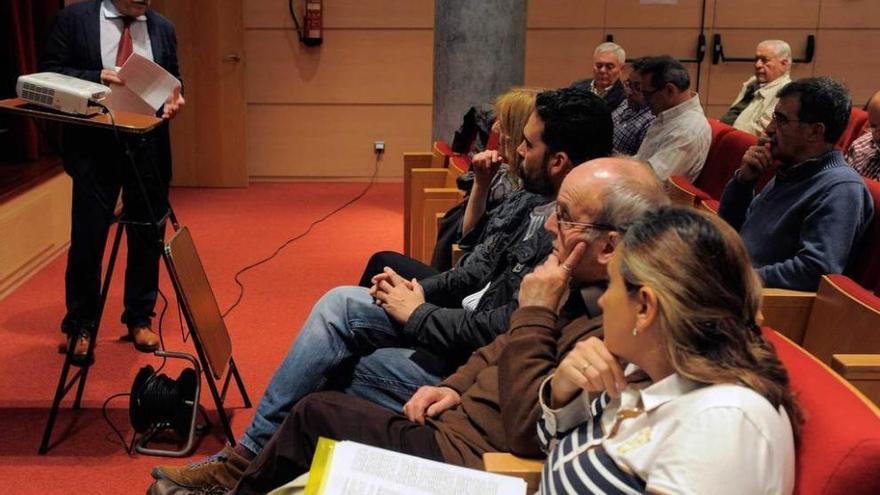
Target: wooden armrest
{"type": "Point", "coordinates": [435, 202]}
{"type": "Point", "coordinates": [511, 465]}
{"type": "Point", "coordinates": [842, 322]}
{"type": "Point", "coordinates": [787, 311]}
{"type": "Point", "coordinates": [862, 371]}
{"type": "Point", "coordinates": [415, 180]}
{"type": "Point", "coordinates": [414, 159]}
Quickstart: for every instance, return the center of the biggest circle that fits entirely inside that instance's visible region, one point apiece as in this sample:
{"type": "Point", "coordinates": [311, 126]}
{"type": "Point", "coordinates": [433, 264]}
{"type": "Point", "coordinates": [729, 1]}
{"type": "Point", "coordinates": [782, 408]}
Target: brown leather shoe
{"type": "Point", "coordinates": [80, 343]}
{"type": "Point", "coordinates": [144, 339]}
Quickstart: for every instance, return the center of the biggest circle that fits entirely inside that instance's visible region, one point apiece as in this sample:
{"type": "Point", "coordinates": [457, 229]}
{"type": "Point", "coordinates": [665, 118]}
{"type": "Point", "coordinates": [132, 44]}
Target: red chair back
{"type": "Point", "coordinates": [857, 120]}
{"type": "Point", "coordinates": [493, 141]}
{"type": "Point", "coordinates": [725, 156]}
{"type": "Point", "coordinates": [839, 450]}
{"type": "Point", "coordinates": [865, 265]}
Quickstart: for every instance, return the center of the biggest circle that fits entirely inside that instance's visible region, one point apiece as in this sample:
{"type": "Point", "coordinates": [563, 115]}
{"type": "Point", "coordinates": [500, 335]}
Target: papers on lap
{"type": "Point", "coordinates": [147, 86]}
{"type": "Point", "coordinates": [348, 468]}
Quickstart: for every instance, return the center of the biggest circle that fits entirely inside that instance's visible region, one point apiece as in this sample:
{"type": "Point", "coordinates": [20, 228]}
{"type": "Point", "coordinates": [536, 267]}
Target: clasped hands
{"type": "Point", "coordinates": [173, 103]}
{"type": "Point", "coordinates": [396, 295]}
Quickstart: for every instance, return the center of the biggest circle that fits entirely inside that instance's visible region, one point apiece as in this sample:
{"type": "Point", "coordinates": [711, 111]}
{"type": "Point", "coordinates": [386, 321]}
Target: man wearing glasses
{"type": "Point", "coordinates": [811, 214]}
{"type": "Point", "coordinates": [402, 334]}
{"type": "Point", "coordinates": [678, 140]}
{"type": "Point", "coordinates": [753, 107]}
{"type": "Point", "coordinates": [633, 117]}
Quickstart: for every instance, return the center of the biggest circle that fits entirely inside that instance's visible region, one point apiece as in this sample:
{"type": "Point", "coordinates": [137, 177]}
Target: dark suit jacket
{"type": "Point", "coordinates": [613, 97]}
{"type": "Point", "coordinates": [74, 49]}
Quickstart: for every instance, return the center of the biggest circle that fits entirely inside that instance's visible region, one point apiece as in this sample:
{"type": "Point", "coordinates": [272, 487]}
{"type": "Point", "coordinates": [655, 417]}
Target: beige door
{"type": "Point", "coordinates": [208, 137]}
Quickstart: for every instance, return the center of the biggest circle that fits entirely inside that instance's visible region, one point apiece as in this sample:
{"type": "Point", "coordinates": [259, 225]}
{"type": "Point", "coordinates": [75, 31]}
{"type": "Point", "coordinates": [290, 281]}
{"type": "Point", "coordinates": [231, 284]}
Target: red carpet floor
{"type": "Point", "coordinates": [232, 228]}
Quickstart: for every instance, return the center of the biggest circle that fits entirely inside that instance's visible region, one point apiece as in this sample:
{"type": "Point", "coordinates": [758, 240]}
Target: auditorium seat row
{"type": "Point", "coordinates": [839, 324]}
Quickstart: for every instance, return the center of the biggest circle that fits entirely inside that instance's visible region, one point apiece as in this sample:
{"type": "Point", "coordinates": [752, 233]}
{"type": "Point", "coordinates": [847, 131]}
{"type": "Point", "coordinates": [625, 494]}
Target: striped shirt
{"type": "Point", "coordinates": [672, 436]}
{"type": "Point", "coordinates": [864, 156]}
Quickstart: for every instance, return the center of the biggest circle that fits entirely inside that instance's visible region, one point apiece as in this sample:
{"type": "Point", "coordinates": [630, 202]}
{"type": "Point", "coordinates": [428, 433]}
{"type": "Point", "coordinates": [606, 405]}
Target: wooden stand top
{"type": "Point", "coordinates": [134, 123]}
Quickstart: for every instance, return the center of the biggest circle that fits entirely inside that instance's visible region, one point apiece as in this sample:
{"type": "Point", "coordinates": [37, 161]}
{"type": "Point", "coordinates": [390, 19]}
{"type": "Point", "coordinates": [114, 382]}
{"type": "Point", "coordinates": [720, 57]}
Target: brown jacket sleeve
{"type": "Point", "coordinates": [528, 358]}
{"type": "Point", "coordinates": [482, 358]}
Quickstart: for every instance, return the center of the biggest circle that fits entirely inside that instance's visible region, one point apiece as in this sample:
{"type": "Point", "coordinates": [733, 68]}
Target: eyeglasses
{"type": "Point", "coordinates": [584, 225]}
{"type": "Point", "coordinates": [781, 120]}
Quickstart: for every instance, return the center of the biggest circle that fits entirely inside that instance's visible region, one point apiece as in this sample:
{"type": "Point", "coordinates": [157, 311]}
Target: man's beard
{"type": "Point", "coordinates": [539, 181]}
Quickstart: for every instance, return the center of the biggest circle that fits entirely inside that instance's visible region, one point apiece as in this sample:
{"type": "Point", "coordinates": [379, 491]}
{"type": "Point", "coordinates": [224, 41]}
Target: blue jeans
{"type": "Point", "coordinates": [344, 324]}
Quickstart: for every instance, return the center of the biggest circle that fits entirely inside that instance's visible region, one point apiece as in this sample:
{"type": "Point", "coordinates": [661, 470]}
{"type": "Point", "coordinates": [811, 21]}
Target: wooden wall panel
{"type": "Point", "coordinates": [849, 14]}
{"type": "Point", "coordinates": [352, 66]}
{"type": "Point", "coordinates": [764, 14]}
{"type": "Point", "coordinates": [556, 14]}
{"type": "Point", "coordinates": [333, 141]}
{"type": "Point", "coordinates": [852, 56]}
{"type": "Point", "coordinates": [339, 14]}
{"type": "Point", "coordinates": [726, 78]}
{"type": "Point", "coordinates": [633, 14]}
{"type": "Point", "coordinates": [37, 223]}
{"type": "Point", "coordinates": [556, 58]}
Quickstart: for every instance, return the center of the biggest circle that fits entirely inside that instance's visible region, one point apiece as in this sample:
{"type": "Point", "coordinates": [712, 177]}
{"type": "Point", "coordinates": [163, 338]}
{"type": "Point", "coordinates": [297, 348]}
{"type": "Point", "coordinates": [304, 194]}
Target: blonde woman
{"type": "Point", "coordinates": [683, 395]}
{"type": "Point", "coordinates": [496, 178]}
{"type": "Point", "coordinates": [496, 172]}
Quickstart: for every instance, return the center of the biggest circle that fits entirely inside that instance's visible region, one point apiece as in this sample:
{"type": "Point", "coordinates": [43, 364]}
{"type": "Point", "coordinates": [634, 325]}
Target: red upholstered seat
{"type": "Point", "coordinates": [443, 147]}
{"type": "Point", "coordinates": [725, 155]}
{"type": "Point", "coordinates": [839, 451]}
{"type": "Point", "coordinates": [865, 264]}
{"type": "Point", "coordinates": [857, 120]}
{"type": "Point", "coordinates": [724, 158]}
{"type": "Point", "coordinates": [492, 142]}
{"type": "Point", "coordinates": [460, 162]}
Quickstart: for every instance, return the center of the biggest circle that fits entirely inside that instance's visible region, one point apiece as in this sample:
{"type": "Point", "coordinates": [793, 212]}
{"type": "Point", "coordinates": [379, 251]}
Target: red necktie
{"type": "Point", "coordinates": [126, 47]}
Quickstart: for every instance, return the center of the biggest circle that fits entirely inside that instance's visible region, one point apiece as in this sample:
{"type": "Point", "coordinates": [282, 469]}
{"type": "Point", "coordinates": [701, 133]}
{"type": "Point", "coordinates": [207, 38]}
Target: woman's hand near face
{"type": "Point", "coordinates": [485, 165]}
{"type": "Point", "coordinates": [589, 366]}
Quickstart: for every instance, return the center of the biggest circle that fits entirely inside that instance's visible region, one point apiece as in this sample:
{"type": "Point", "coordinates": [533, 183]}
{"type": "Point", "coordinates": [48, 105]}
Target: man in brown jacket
{"type": "Point", "coordinates": [489, 403]}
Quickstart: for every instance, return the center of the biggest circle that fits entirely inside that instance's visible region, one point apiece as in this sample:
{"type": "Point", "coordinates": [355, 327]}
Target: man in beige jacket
{"type": "Point", "coordinates": [753, 106]}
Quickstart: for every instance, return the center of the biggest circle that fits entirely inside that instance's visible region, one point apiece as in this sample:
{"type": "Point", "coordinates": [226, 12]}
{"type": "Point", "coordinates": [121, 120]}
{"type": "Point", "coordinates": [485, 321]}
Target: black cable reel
{"type": "Point", "coordinates": [158, 403]}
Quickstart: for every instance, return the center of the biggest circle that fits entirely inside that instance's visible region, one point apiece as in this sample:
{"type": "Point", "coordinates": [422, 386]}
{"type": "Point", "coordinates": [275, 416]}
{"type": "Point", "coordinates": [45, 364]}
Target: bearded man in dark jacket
{"type": "Point", "coordinates": [401, 334]}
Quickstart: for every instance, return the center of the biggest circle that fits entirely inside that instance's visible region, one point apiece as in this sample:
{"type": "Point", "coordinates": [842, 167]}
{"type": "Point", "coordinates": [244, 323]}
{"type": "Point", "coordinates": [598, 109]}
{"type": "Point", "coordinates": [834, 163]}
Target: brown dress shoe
{"type": "Point", "coordinates": [80, 343]}
{"type": "Point", "coordinates": [144, 339]}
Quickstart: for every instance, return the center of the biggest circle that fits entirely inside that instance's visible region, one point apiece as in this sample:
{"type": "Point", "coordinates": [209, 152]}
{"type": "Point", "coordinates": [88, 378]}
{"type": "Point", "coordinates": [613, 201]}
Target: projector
{"type": "Point", "coordinates": [63, 93]}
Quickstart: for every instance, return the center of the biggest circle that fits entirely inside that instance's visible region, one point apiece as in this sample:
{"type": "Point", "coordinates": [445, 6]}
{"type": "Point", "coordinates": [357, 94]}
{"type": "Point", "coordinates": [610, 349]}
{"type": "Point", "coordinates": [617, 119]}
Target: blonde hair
{"type": "Point", "coordinates": [708, 300]}
{"type": "Point", "coordinates": [512, 109]}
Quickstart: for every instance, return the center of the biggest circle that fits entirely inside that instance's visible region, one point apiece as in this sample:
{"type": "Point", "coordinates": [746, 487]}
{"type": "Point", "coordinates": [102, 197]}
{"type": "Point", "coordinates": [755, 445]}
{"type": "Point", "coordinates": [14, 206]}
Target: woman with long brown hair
{"type": "Point", "coordinates": [683, 394]}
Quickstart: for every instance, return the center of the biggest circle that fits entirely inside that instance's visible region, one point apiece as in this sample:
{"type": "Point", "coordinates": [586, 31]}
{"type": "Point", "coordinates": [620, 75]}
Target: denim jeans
{"type": "Point", "coordinates": [344, 324]}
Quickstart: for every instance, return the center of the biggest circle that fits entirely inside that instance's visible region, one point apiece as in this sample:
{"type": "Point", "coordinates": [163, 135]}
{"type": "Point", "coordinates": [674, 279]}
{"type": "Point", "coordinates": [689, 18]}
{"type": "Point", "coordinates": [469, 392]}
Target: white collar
{"type": "Point", "coordinates": [657, 393]}
{"type": "Point", "coordinates": [108, 8]}
{"type": "Point", "coordinates": [688, 105]}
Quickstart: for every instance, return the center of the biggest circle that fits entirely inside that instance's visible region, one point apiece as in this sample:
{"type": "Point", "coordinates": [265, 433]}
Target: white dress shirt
{"type": "Point", "coordinates": [755, 117]}
{"type": "Point", "coordinates": [111, 32]}
{"type": "Point", "coordinates": [678, 141]}
{"type": "Point", "coordinates": [683, 437]}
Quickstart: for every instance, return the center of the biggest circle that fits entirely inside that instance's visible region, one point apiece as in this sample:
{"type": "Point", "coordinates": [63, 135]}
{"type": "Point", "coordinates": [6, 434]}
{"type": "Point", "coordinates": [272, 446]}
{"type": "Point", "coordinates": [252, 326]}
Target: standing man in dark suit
{"type": "Point", "coordinates": [91, 40]}
{"type": "Point", "coordinates": [608, 61]}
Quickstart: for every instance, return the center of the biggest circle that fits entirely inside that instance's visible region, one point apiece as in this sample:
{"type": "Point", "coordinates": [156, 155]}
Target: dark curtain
{"type": "Point", "coordinates": [24, 27]}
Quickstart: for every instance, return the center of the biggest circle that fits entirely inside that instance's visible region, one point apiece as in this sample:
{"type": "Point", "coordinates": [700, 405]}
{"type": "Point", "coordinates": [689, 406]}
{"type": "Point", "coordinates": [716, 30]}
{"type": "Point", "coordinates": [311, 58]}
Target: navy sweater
{"type": "Point", "coordinates": [804, 224]}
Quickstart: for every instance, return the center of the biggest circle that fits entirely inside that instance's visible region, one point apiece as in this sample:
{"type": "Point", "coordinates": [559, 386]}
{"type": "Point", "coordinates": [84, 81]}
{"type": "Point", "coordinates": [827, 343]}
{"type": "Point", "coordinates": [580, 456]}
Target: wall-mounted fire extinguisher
{"type": "Point", "coordinates": [311, 33]}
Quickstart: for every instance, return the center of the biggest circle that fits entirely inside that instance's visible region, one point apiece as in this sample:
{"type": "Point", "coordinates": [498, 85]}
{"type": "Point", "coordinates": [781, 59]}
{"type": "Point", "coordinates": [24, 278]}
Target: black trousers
{"type": "Point", "coordinates": [98, 173]}
{"type": "Point", "coordinates": [405, 266]}
{"type": "Point", "coordinates": [336, 416]}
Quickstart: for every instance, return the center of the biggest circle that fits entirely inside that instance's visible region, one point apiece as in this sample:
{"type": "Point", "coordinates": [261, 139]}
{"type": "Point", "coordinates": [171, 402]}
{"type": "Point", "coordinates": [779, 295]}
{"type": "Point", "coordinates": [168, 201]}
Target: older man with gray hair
{"type": "Point", "coordinates": [753, 107]}
{"type": "Point", "coordinates": [608, 61]}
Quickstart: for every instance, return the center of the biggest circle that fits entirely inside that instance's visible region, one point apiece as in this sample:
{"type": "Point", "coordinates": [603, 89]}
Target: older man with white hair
{"type": "Point", "coordinates": [753, 107]}
{"type": "Point", "coordinates": [608, 61]}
